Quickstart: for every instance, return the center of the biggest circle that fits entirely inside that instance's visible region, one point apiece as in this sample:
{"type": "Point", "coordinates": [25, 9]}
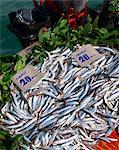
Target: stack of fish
{"type": "Point", "coordinates": [70, 108]}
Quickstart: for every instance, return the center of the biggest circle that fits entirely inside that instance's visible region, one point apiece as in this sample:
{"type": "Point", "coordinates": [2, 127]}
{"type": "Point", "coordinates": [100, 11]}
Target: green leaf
{"type": "Point", "coordinates": [55, 30]}
{"type": "Point", "coordinates": [103, 31]}
{"type": "Point", "coordinates": [43, 54]}
{"type": "Point", "coordinates": [51, 43]}
{"type": "Point", "coordinates": [80, 30]}
{"type": "Point", "coordinates": [68, 44]}
{"type": "Point", "coordinates": [5, 67]}
{"type": "Point", "coordinates": [63, 23]}
{"type": "Point", "coordinates": [87, 39]}
{"type": "Point", "coordinates": [6, 77]}
{"type": "Point", "coordinates": [18, 138]}
{"type": "Point", "coordinates": [15, 146]}
{"type": "Point", "coordinates": [18, 67]}
{"type": "Point", "coordinates": [94, 41]}
{"type": "Point", "coordinates": [75, 31]}
{"type": "Point", "coordinates": [20, 64]}
{"type": "Point", "coordinates": [95, 23]}
{"type": "Point", "coordinates": [73, 37]}
{"type": "Point", "coordinates": [64, 31]}
{"type": "Point", "coordinates": [41, 60]}
{"type": "Point", "coordinates": [44, 36]}
{"type": "Point", "coordinates": [58, 43]}
{"type": "Point", "coordinates": [4, 132]}
{"type": "Point", "coordinates": [88, 27]}
{"type": "Point", "coordinates": [36, 48]}
{"type": "Point", "coordinates": [89, 19]}
{"type": "Point", "coordinates": [23, 62]}
{"type": "Point", "coordinates": [97, 33]}
{"type": "Point", "coordinates": [5, 87]}
{"type": "Point", "coordinates": [111, 34]}
{"type": "Point", "coordinates": [2, 136]}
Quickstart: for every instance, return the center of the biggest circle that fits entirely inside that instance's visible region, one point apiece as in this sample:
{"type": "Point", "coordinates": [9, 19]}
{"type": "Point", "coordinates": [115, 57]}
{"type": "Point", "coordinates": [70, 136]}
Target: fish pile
{"type": "Point", "coordinates": [71, 107]}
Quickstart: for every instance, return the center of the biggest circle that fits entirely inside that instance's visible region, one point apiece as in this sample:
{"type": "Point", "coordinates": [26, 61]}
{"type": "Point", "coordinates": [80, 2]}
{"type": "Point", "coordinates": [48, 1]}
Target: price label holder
{"type": "Point", "coordinates": [86, 55]}
{"type": "Point", "coordinates": [26, 78]}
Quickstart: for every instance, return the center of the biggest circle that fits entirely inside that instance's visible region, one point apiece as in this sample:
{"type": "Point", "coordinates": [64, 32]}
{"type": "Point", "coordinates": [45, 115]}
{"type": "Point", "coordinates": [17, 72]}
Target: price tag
{"type": "Point", "coordinates": [26, 78]}
{"type": "Point", "coordinates": [86, 55]}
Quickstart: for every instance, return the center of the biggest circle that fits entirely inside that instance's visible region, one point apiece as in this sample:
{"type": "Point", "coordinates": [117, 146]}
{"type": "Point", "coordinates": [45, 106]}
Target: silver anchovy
{"type": "Point", "coordinates": [71, 107]}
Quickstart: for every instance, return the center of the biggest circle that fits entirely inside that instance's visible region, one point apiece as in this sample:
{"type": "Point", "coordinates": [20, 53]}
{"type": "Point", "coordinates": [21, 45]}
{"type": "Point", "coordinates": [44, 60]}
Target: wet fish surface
{"type": "Point", "coordinates": [70, 108]}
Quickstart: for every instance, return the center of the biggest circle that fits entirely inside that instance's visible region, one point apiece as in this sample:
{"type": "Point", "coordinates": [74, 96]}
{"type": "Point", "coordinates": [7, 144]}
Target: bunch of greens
{"type": "Point", "coordinates": [62, 35]}
{"type": "Point", "coordinates": [37, 55]}
{"type": "Point", "coordinates": [10, 65]}
{"type": "Point", "coordinates": [8, 142]}
{"type": "Point", "coordinates": [114, 7]}
{"type": "Point", "coordinates": [95, 35]}
{"type": "Point", "coordinates": [113, 13]}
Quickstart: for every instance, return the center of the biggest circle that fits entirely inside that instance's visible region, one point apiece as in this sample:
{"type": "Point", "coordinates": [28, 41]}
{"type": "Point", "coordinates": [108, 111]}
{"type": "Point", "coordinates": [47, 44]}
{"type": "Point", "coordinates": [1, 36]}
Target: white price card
{"type": "Point", "coordinates": [27, 77]}
{"type": "Point", "coordinates": [86, 55]}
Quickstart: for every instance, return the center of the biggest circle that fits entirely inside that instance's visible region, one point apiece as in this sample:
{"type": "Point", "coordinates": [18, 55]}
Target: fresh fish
{"type": "Point", "coordinates": [71, 107]}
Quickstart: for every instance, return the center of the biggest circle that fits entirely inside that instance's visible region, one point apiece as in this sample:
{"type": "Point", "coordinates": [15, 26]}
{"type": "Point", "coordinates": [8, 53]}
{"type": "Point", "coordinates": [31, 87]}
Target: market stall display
{"type": "Point", "coordinates": [63, 99]}
{"type": "Point", "coordinates": [71, 107]}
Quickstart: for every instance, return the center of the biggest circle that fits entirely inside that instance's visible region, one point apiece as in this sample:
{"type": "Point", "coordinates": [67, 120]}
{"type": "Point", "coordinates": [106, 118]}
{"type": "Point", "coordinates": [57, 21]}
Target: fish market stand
{"type": "Point", "coordinates": [72, 106]}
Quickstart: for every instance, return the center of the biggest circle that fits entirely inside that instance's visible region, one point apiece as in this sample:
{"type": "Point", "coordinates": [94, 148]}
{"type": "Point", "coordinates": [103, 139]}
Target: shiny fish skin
{"type": "Point", "coordinates": [71, 107]}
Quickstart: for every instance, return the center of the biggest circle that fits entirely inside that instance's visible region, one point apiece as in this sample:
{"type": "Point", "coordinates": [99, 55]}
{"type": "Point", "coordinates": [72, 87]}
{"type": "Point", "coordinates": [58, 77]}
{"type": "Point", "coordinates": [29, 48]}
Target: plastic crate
{"type": "Point", "coordinates": [113, 145]}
